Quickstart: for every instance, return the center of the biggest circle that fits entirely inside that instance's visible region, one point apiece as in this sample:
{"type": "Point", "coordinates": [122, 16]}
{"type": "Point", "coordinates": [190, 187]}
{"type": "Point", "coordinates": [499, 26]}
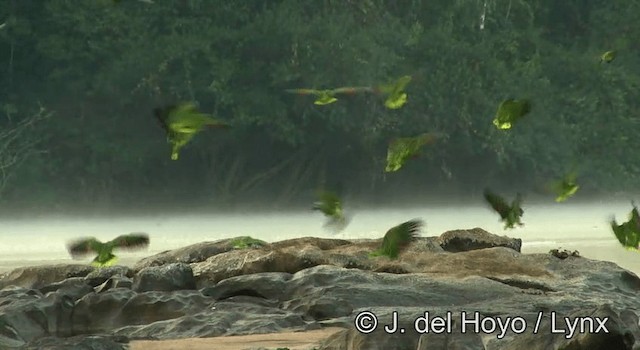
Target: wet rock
{"type": "Point", "coordinates": [266, 285]}
{"type": "Point", "coordinates": [190, 254]}
{"type": "Point", "coordinates": [39, 276]}
{"type": "Point", "coordinates": [598, 328]}
{"type": "Point", "coordinates": [476, 238]}
{"type": "Point", "coordinates": [99, 276]}
{"type": "Point", "coordinates": [167, 278]}
{"type": "Point", "coordinates": [34, 316]}
{"type": "Point", "coordinates": [74, 287]}
{"type": "Point", "coordinates": [115, 308]}
{"type": "Point", "coordinates": [82, 342]}
{"type": "Point", "coordinates": [114, 282]}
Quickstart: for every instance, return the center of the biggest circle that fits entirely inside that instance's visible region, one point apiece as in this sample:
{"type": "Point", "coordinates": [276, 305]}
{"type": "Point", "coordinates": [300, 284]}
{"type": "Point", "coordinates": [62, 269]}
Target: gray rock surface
{"type": "Point", "coordinates": [166, 278]}
{"type": "Point", "coordinates": [309, 283]}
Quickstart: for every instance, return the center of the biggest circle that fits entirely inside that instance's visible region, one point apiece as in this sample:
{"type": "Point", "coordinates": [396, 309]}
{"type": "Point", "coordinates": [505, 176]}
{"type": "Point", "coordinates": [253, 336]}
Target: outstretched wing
{"type": "Point", "coordinates": [136, 240]}
{"type": "Point", "coordinates": [396, 87]}
{"type": "Point", "coordinates": [328, 203]}
{"type": "Point", "coordinates": [498, 203]}
{"type": "Point", "coordinates": [626, 234]}
{"type": "Point", "coordinates": [161, 114]}
{"type": "Point", "coordinates": [305, 91]}
{"type": "Point", "coordinates": [351, 90]}
{"type": "Point", "coordinates": [83, 246]}
{"type": "Point", "coordinates": [399, 237]}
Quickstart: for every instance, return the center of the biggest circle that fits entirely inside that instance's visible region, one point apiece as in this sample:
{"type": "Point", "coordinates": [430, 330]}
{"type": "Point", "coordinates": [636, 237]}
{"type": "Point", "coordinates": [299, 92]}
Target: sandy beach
{"type": "Point", "coordinates": [292, 340]}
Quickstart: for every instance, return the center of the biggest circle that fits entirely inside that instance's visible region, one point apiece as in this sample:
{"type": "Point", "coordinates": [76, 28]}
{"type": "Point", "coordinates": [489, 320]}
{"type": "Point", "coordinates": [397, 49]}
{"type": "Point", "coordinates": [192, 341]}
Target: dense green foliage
{"type": "Point", "coordinates": [102, 67]}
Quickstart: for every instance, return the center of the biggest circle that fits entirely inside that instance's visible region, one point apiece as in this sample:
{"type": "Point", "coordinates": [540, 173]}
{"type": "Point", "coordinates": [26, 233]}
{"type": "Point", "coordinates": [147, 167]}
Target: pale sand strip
{"type": "Point", "coordinates": [292, 340]}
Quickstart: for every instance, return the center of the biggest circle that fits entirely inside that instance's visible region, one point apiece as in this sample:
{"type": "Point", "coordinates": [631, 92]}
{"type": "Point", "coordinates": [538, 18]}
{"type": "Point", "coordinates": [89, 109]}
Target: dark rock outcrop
{"type": "Point", "coordinates": [208, 290]}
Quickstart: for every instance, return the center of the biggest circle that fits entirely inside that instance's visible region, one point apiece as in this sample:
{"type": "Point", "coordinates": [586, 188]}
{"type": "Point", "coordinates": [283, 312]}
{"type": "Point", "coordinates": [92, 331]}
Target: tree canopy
{"type": "Point", "coordinates": [101, 67]}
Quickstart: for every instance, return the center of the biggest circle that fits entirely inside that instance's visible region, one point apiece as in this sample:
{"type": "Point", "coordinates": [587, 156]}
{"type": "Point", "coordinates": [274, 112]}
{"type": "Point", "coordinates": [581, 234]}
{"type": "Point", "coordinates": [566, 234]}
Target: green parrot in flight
{"type": "Point", "coordinates": [325, 97]}
{"type": "Point", "coordinates": [84, 246]}
{"type": "Point", "coordinates": [181, 122]}
{"type": "Point", "coordinates": [509, 214]}
{"type": "Point", "coordinates": [565, 187]}
{"type": "Point", "coordinates": [330, 205]}
{"type": "Point", "coordinates": [398, 238]}
{"type": "Point", "coordinates": [396, 96]}
{"type": "Point", "coordinates": [608, 56]}
{"type": "Point", "coordinates": [509, 112]}
{"type": "Point", "coordinates": [628, 233]}
{"type": "Point", "coordinates": [402, 149]}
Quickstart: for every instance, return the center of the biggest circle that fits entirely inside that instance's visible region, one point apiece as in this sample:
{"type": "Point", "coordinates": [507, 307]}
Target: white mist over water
{"type": "Point", "coordinates": [582, 227]}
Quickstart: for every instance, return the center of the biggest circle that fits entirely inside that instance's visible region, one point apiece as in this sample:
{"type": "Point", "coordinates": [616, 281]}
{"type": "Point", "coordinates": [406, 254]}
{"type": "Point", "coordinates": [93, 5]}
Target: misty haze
{"type": "Point", "coordinates": [583, 227]}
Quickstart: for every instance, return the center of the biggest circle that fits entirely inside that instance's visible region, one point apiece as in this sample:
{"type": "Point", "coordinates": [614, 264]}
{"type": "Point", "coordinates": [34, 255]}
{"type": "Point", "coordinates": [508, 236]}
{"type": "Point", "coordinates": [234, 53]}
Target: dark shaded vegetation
{"type": "Point", "coordinates": [102, 67]}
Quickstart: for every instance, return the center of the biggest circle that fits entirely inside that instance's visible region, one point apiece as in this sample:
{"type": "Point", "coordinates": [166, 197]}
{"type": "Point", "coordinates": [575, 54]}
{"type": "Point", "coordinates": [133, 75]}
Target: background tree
{"type": "Point", "coordinates": [102, 68]}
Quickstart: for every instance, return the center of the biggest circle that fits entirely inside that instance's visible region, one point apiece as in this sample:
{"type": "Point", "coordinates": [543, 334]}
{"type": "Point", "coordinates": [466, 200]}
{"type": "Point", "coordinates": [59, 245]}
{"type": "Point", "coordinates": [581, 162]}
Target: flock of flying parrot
{"type": "Point", "coordinates": [181, 122]}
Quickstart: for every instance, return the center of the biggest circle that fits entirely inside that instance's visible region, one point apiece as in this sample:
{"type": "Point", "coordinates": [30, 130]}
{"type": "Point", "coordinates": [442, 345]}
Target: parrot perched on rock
{"type": "Point", "coordinates": [509, 214]}
{"type": "Point", "coordinates": [182, 122]}
{"type": "Point", "coordinates": [398, 238]}
{"type": "Point", "coordinates": [104, 251]}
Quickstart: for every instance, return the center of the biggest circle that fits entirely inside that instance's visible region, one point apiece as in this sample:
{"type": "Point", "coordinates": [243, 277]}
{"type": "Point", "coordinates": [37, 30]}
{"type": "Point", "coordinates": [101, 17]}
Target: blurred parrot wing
{"type": "Point", "coordinates": [396, 87]}
{"type": "Point", "coordinates": [497, 203]}
{"type": "Point", "coordinates": [628, 237]}
{"type": "Point", "coordinates": [82, 247]}
{"type": "Point", "coordinates": [351, 90]}
{"type": "Point", "coordinates": [328, 203]}
{"type": "Point", "coordinates": [161, 115]}
{"type": "Point", "coordinates": [131, 241]}
{"type": "Point", "coordinates": [398, 237]}
{"type": "Point", "coordinates": [304, 91]}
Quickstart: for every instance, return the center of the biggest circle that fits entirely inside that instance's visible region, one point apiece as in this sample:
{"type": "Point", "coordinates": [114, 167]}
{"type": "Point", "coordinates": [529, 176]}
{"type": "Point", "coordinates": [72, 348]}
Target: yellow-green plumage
{"type": "Point", "coordinates": [245, 242]}
{"type": "Point", "coordinates": [325, 97]}
{"type": "Point", "coordinates": [182, 122]}
{"type": "Point", "coordinates": [398, 238]}
{"type": "Point", "coordinates": [396, 96]}
{"type": "Point", "coordinates": [566, 187]}
{"type": "Point", "coordinates": [509, 214]}
{"type": "Point", "coordinates": [509, 112]}
{"type": "Point", "coordinates": [330, 205]}
{"type": "Point", "coordinates": [628, 233]}
{"type": "Point", "coordinates": [402, 149]}
{"type": "Point", "coordinates": [105, 257]}
{"type": "Point", "coordinates": [608, 56]}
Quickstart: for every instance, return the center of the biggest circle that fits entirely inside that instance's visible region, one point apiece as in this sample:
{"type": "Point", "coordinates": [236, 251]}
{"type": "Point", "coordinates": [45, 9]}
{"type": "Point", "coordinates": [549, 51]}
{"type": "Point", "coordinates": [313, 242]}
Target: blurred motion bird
{"type": "Point", "coordinates": [402, 149]}
{"type": "Point", "coordinates": [509, 112]}
{"type": "Point", "coordinates": [330, 205]}
{"type": "Point", "coordinates": [398, 238]}
{"type": "Point", "coordinates": [628, 233]}
{"type": "Point", "coordinates": [84, 246]}
{"type": "Point", "coordinates": [181, 122]}
{"type": "Point", "coordinates": [325, 97]}
{"type": "Point", "coordinates": [396, 96]}
{"type": "Point", "coordinates": [608, 56]}
{"type": "Point", "coordinates": [509, 214]}
{"type": "Point", "coordinates": [565, 187]}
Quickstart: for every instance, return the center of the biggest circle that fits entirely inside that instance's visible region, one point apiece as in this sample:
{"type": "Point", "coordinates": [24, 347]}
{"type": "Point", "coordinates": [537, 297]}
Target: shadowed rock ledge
{"type": "Point", "coordinates": [210, 289]}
